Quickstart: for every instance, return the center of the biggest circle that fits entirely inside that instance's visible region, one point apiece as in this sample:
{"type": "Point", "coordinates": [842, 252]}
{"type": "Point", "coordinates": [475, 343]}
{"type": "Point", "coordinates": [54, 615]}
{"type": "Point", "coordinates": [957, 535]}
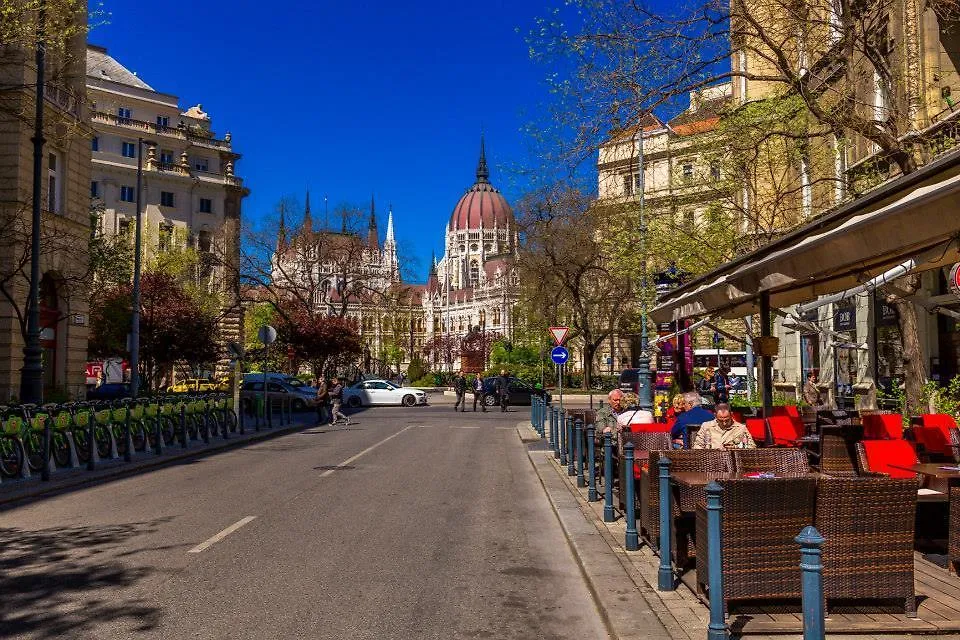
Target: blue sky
{"type": "Point", "coordinates": [349, 98]}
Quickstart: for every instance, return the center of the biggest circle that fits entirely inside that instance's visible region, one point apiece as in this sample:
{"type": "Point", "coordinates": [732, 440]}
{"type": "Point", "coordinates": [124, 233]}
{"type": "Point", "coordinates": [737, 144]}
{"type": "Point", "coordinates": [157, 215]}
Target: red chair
{"type": "Point", "coordinates": [878, 456]}
{"type": "Point", "coordinates": [758, 430]}
{"type": "Point", "coordinates": [882, 426]}
{"type": "Point", "coordinates": [932, 432]}
{"type": "Point", "coordinates": [737, 416]}
{"type": "Point", "coordinates": [784, 431]}
{"type": "Point", "coordinates": [789, 410]}
{"type": "Point", "coordinates": [655, 427]}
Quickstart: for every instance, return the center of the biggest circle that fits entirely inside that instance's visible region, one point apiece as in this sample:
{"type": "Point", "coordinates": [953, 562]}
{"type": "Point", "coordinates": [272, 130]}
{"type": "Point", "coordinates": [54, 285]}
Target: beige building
{"type": "Point", "coordinates": [65, 178]}
{"type": "Point", "coordinates": [191, 193]}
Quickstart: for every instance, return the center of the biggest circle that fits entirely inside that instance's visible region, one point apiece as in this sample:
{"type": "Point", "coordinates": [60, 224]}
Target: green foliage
{"type": "Point", "coordinates": [111, 256]}
{"type": "Point", "coordinates": [417, 369]}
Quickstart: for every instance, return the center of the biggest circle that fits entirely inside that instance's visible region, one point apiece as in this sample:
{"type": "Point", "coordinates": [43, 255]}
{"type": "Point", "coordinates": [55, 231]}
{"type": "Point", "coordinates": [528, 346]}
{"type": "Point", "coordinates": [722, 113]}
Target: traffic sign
{"type": "Point", "coordinates": [560, 355]}
{"type": "Point", "coordinates": [559, 334]}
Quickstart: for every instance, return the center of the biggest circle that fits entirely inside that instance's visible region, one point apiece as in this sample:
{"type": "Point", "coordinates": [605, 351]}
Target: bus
{"type": "Point", "coordinates": [736, 361]}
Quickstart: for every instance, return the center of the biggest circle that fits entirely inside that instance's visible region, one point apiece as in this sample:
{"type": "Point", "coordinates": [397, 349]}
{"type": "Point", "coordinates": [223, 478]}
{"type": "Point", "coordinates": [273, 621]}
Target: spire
{"type": "Point", "coordinates": [390, 239]}
{"type": "Point", "coordinates": [373, 237]}
{"type": "Point", "coordinates": [483, 174]}
{"type": "Point", "coordinates": [307, 220]}
{"type": "Point", "coordinates": [433, 264]}
{"type": "Point", "coordinates": [282, 231]}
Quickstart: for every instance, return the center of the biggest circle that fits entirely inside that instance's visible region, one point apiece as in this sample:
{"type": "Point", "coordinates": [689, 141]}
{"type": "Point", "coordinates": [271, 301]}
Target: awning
{"type": "Point", "coordinates": [916, 216]}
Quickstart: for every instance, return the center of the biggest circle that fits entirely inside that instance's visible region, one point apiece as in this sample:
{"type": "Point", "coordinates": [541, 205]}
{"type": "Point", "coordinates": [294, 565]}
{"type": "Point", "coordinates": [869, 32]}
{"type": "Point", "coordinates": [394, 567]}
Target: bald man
{"type": "Point", "coordinates": [607, 416]}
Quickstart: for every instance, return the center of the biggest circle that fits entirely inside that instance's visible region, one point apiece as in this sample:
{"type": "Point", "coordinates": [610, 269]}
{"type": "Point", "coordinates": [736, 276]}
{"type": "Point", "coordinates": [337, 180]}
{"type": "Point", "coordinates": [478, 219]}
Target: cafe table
{"type": "Point", "coordinates": [941, 477]}
{"type": "Point", "coordinates": [691, 486]}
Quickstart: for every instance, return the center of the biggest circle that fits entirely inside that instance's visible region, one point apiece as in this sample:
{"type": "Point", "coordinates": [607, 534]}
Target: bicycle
{"type": "Point", "coordinates": [35, 420]}
{"type": "Point", "coordinates": [82, 415]}
{"type": "Point", "coordinates": [11, 448]}
{"type": "Point", "coordinates": [61, 423]}
{"type": "Point", "coordinates": [223, 407]}
{"type": "Point", "coordinates": [103, 430]}
{"type": "Point", "coordinates": [138, 432]}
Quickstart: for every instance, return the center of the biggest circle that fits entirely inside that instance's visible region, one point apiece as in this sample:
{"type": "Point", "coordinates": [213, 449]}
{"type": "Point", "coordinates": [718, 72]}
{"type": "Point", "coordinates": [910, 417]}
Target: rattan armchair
{"type": "Point", "coordinates": [760, 520]}
{"type": "Point", "coordinates": [868, 524]}
{"type": "Point", "coordinates": [643, 443]}
{"type": "Point", "coordinates": [773, 460]}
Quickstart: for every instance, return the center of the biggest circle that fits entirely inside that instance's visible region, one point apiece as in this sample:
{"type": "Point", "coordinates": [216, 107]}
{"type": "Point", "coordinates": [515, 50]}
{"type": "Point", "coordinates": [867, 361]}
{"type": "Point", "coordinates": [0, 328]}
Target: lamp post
{"type": "Point", "coordinates": [31, 375]}
{"type": "Point", "coordinates": [644, 378]}
{"type": "Point", "coordinates": [135, 315]}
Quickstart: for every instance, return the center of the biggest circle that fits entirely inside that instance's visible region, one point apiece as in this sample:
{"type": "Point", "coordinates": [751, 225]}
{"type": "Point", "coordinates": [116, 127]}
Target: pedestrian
{"type": "Point", "coordinates": [460, 388]}
{"type": "Point", "coordinates": [323, 402]}
{"type": "Point", "coordinates": [336, 397]}
{"type": "Point", "coordinates": [478, 393]}
{"type": "Point", "coordinates": [503, 390]}
{"type": "Point", "coordinates": [721, 386]}
{"type": "Point", "coordinates": [724, 432]}
{"type": "Point", "coordinates": [705, 386]}
{"type": "Point", "coordinates": [811, 392]}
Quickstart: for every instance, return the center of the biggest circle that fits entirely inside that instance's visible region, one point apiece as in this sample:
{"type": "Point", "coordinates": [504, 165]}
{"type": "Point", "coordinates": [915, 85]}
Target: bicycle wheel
{"type": "Point", "coordinates": [169, 429]}
{"type": "Point", "coordinates": [60, 448]}
{"type": "Point", "coordinates": [11, 457]}
{"type": "Point", "coordinates": [121, 440]}
{"type": "Point", "coordinates": [231, 419]}
{"type": "Point", "coordinates": [34, 444]}
{"type": "Point", "coordinates": [150, 427]}
{"type": "Point", "coordinates": [138, 434]}
{"type": "Point", "coordinates": [193, 426]}
{"type": "Point", "coordinates": [102, 436]}
{"type": "Point", "coordinates": [81, 441]}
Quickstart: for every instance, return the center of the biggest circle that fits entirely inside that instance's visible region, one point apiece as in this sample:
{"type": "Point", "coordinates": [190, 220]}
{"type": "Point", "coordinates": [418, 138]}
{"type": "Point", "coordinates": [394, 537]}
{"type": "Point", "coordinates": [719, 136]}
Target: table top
{"type": "Point", "coordinates": [696, 479]}
{"type": "Point", "coordinates": [933, 469]}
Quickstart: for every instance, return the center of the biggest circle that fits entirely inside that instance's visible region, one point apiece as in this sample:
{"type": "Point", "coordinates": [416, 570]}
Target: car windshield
{"type": "Point", "coordinates": [296, 383]}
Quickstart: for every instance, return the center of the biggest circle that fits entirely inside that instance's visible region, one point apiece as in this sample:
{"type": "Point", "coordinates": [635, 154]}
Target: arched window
{"type": "Point", "coordinates": [496, 317]}
{"type": "Point", "coordinates": [483, 318]}
{"type": "Point", "coordinates": [474, 272]}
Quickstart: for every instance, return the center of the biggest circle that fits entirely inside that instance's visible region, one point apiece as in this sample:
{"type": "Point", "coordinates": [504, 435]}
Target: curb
{"type": "Point", "coordinates": [527, 433]}
{"type": "Point", "coordinates": [625, 611]}
{"type": "Point", "coordinates": [146, 463]}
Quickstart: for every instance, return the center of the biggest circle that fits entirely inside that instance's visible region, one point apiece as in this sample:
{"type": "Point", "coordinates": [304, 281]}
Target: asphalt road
{"type": "Point", "coordinates": [412, 523]}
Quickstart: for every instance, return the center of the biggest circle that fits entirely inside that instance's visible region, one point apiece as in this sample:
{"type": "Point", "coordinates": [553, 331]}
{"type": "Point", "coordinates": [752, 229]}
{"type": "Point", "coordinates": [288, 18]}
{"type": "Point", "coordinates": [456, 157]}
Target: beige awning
{"type": "Point", "coordinates": [917, 216]}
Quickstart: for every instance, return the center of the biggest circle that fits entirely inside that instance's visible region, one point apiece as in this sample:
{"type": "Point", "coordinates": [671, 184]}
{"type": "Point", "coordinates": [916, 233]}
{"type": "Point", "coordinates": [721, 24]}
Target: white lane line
{"type": "Point", "coordinates": [453, 426]}
{"type": "Point", "coordinates": [223, 534]}
{"type": "Point", "coordinates": [364, 452]}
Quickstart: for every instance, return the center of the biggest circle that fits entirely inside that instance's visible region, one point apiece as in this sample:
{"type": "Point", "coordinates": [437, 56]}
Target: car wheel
{"type": "Point", "coordinates": [354, 402]}
{"type": "Point", "coordinates": [408, 400]}
{"type": "Point", "coordinates": [490, 400]}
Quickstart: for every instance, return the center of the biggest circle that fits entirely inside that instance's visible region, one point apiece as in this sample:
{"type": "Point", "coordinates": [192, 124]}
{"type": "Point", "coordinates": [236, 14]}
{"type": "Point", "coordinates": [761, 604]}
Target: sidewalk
{"type": "Point", "coordinates": [12, 491]}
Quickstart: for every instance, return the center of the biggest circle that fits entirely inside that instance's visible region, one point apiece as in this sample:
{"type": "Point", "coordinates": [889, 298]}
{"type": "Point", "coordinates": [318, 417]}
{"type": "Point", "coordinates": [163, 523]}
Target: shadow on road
{"type": "Point", "coordinates": [55, 583]}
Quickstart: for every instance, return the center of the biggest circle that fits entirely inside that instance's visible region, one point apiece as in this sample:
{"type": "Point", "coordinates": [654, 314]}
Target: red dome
{"type": "Point", "coordinates": [482, 204]}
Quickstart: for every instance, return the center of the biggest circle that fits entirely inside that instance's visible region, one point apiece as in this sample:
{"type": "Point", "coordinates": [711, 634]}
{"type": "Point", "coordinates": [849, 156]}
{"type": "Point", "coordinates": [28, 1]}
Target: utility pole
{"type": "Point", "coordinates": [645, 378]}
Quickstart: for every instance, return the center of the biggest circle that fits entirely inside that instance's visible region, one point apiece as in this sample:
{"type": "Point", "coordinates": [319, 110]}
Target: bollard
{"type": "Point", "coordinates": [665, 573]}
{"type": "Point", "coordinates": [562, 428]}
{"type": "Point", "coordinates": [717, 629]}
{"type": "Point", "coordinates": [128, 450]}
{"type": "Point", "coordinates": [811, 566]}
{"type": "Point", "coordinates": [578, 429]}
{"type": "Point", "coordinates": [632, 540]}
{"type": "Point", "coordinates": [557, 436]}
{"type": "Point", "coordinates": [571, 455]}
{"type": "Point", "coordinates": [591, 466]}
{"type": "Point", "coordinates": [183, 425]}
{"type": "Point", "coordinates": [533, 413]}
{"type": "Point", "coordinates": [543, 416]}
{"type": "Point", "coordinates": [608, 515]}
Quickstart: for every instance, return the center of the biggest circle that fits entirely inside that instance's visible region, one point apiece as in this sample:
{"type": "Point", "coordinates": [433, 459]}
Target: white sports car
{"type": "Point", "coordinates": [371, 392]}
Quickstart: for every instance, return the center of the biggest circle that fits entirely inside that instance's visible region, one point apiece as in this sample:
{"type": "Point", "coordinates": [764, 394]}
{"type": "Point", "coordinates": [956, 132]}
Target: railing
{"type": "Point", "coordinates": [151, 127]}
{"type": "Point", "coordinates": [63, 99]}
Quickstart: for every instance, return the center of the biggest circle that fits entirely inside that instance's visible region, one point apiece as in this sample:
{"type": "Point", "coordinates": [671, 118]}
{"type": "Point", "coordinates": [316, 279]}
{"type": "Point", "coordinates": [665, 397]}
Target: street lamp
{"type": "Point", "coordinates": [135, 315]}
{"type": "Point", "coordinates": [645, 380]}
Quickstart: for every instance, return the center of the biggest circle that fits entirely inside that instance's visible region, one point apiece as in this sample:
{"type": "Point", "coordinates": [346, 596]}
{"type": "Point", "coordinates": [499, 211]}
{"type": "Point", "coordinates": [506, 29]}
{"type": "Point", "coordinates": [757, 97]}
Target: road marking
{"type": "Point", "coordinates": [223, 534]}
{"type": "Point", "coordinates": [365, 451]}
{"type": "Point", "coordinates": [453, 426]}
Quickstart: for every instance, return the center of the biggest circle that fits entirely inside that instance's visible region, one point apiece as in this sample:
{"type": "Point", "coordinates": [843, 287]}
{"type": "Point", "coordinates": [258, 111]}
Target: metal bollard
{"type": "Point", "coordinates": [128, 450]}
{"type": "Point", "coordinates": [552, 424]}
{"type": "Point", "coordinates": [665, 573]}
{"type": "Point", "coordinates": [533, 413]}
{"type": "Point", "coordinates": [543, 416]}
{"type": "Point", "coordinates": [717, 629]}
{"type": "Point", "coordinates": [632, 540]}
{"type": "Point", "coordinates": [811, 566]}
{"type": "Point", "coordinates": [591, 465]}
{"type": "Point", "coordinates": [183, 425]}
{"type": "Point", "coordinates": [578, 428]}
{"type": "Point", "coordinates": [562, 428]}
{"type": "Point", "coordinates": [608, 515]}
{"type": "Point", "coordinates": [571, 454]}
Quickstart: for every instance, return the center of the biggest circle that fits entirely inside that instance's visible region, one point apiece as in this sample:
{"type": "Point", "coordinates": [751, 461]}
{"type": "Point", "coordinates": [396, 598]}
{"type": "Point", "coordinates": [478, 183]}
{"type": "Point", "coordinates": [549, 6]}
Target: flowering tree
{"type": "Point", "coordinates": [325, 342]}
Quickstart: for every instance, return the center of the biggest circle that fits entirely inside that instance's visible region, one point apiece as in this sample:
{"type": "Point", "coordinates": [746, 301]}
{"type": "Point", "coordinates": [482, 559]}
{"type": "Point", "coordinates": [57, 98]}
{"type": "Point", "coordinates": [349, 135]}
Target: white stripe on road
{"type": "Point", "coordinates": [223, 534]}
{"type": "Point", "coordinates": [453, 426]}
{"type": "Point", "coordinates": [364, 452]}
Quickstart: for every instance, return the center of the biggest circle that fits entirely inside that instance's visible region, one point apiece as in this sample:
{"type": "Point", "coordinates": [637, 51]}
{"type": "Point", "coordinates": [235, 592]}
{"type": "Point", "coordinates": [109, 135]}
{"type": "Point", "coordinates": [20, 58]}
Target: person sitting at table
{"type": "Point", "coordinates": [607, 416]}
{"type": "Point", "coordinates": [676, 407]}
{"type": "Point", "coordinates": [692, 414]}
{"type": "Point", "coordinates": [632, 414]}
{"type": "Point", "coordinates": [724, 432]}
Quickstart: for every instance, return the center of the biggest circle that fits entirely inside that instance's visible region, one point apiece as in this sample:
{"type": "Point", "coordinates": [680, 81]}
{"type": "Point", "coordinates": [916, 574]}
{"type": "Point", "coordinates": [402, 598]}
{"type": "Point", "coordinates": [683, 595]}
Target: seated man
{"type": "Point", "coordinates": [692, 414]}
{"type": "Point", "coordinates": [607, 416]}
{"type": "Point", "coordinates": [724, 432]}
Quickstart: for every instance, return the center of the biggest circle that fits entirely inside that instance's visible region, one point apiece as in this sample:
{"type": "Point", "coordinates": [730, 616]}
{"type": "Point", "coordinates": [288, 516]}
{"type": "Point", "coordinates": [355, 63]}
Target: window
{"type": "Point", "coordinates": [166, 236]}
{"type": "Point", "coordinates": [94, 189]}
{"type": "Point", "coordinates": [123, 115]}
{"type": "Point", "coordinates": [54, 169]}
{"type": "Point", "coordinates": [201, 164]}
{"type": "Point", "coordinates": [206, 205]}
{"type": "Point", "coordinates": [163, 122]}
{"type": "Point", "coordinates": [166, 199]}
{"type": "Point", "coordinates": [123, 227]}
{"type": "Point", "coordinates": [128, 194]}
{"type": "Point", "coordinates": [474, 272]}
{"type": "Point", "coordinates": [95, 144]}
{"type": "Point", "coordinates": [687, 172]}
{"type": "Point", "coordinates": [203, 242]}
{"type": "Point", "coordinates": [166, 157]}
{"type": "Point", "coordinates": [129, 150]}
{"type": "Point", "coordinates": [715, 171]}
{"type": "Point", "coordinates": [628, 185]}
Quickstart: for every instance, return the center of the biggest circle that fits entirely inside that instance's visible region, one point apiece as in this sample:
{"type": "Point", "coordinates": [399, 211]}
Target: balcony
{"type": "Point", "coordinates": [158, 130]}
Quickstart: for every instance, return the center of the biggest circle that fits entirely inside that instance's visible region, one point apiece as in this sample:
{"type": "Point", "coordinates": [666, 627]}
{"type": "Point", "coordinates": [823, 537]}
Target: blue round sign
{"type": "Point", "coordinates": [560, 355]}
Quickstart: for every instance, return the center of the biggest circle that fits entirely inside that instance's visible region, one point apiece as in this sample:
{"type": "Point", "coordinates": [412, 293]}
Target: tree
{"type": "Point", "coordinates": [565, 276]}
{"type": "Point", "coordinates": [442, 349]}
{"type": "Point", "coordinates": [325, 342]}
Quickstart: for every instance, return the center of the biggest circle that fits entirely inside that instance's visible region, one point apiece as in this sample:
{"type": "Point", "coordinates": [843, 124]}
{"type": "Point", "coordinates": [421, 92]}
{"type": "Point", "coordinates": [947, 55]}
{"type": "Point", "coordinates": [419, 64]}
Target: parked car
{"type": "Point", "coordinates": [519, 392]}
{"type": "Point", "coordinates": [109, 391]}
{"type": "Point", "coordinates": [371, 392]}
{"type": "Point", "coordinates": [629, 381]}
{"type": "Point", "coordinates": [296, 383]}
{"type": "Point", "coordinates": [193, 385]}
{"type": "Point", "coordinates": [300, 397]}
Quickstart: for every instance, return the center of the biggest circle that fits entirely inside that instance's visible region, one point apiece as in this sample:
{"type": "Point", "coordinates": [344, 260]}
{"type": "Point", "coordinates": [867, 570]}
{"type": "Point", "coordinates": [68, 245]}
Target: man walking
{"type": "Point", "coordinates": [460, 387]}
{"type": "Point", "coordinates": [323, 402]}
{"type": "Point", "coordinates": [503, 390]}
{"type": "Point", "coordinates": [478, 393]}
{"type": "Point", "coordinates": [336, 397]}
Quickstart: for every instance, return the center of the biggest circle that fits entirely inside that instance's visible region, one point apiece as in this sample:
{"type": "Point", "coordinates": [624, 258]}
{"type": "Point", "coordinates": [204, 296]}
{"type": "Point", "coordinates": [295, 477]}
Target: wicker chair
{"type": "Point", "coordinates": [955, 444]}
{"type": "Point", "coordinates": [836, 452]}
{"type": "Point", "coordinates": [643, 443]}
{"type": "Point", "coordinates": [698, 461]}
{"type": "Point", "coordinates": [773, 460]}
{"type": "Point", "coordinates": [868, 524]}
{"type": "Point", "coordinates": [953, 537]}
{"type": "Point", "coordinates": [760, 521]}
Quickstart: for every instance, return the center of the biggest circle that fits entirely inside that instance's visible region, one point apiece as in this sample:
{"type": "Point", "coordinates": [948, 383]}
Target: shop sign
{"type": "Point", "coordinates": [844, 317]}
{"type": "Point", "coordinates": [953, 282]}
{"type": "Point", "coordinates": [886, 314]}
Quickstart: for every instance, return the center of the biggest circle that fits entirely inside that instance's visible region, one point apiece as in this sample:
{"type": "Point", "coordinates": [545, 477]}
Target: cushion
{"type": "Point", "coordinates": [785, 430]}
{"type": "Point", "coordinates": [655, 427]}
{"type": "Point", "coordinates": [882, 426]}
{"type": "Point", "coordinates": [940, 420]}
{"type": "Point", "coordinates": [934, 439]}
{"type": "Point", "coordinates": [883, 453]}
{"type": "Point", "coordinates": [789, 410]}
{"type": "Point", "coordinates": [758, 429]}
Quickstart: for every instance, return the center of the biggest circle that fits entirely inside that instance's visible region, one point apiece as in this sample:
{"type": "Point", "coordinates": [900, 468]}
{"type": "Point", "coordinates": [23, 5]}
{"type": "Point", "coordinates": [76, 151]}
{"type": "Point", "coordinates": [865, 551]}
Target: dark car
{"type": "Point", "coordinates": [109, 391]}
{"type": "Point", "coordinates": [519, 392]}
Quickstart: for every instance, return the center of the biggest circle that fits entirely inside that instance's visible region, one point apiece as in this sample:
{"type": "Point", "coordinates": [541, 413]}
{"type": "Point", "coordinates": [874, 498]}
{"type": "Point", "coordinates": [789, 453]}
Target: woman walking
{"type": "Point", "coordinates": [336, 397]}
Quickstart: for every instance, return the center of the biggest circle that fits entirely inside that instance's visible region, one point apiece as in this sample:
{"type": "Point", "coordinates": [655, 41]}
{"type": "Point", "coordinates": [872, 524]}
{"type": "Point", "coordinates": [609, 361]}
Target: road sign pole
{"type": "Point", "coordinates": [560, 380]}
